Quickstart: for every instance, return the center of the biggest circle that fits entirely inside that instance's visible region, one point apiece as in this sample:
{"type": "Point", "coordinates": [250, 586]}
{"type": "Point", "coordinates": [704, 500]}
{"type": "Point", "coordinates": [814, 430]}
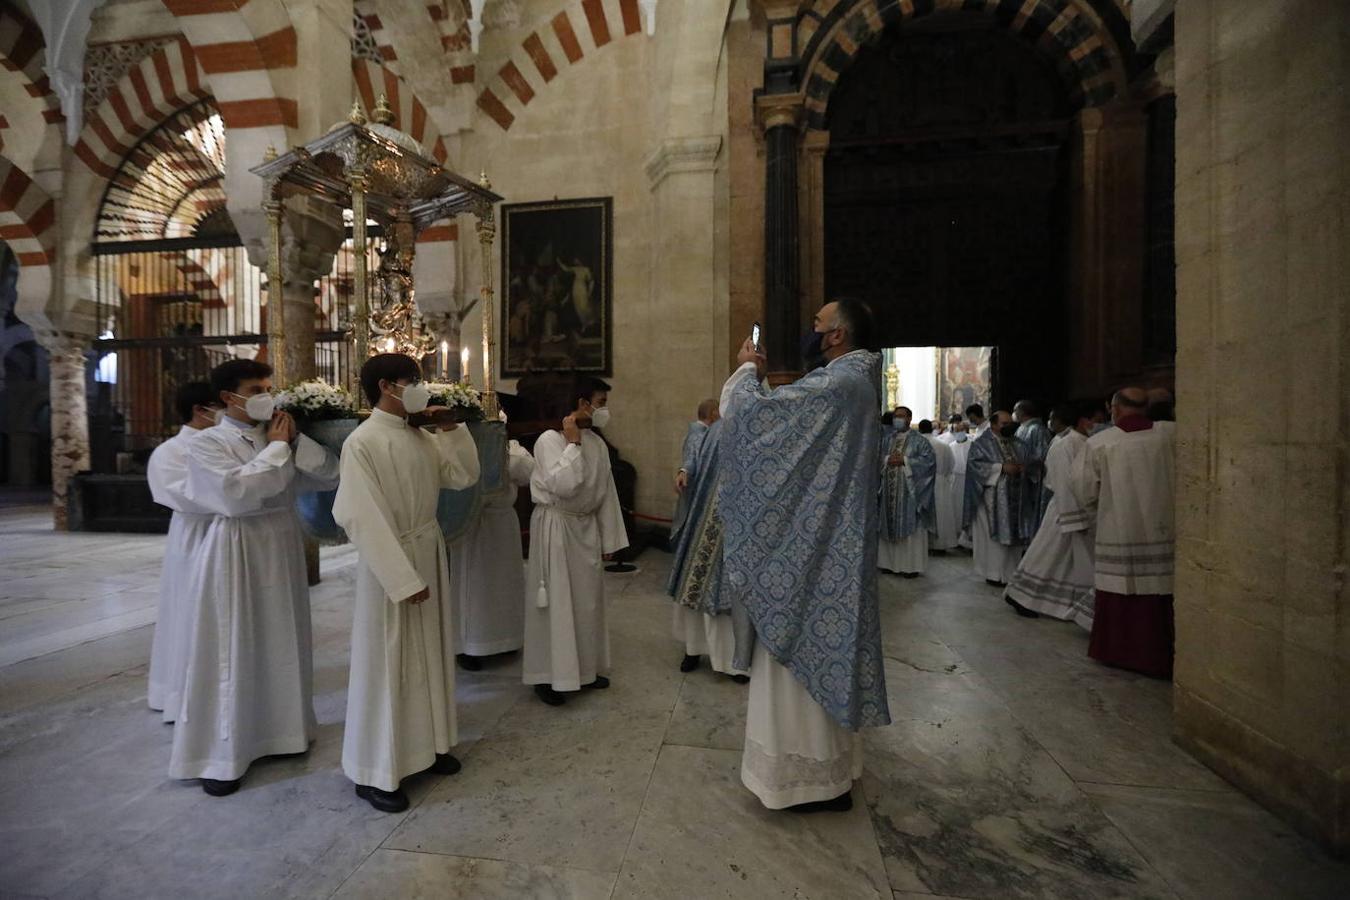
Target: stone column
{"type": "Point", "coordinates": [1263, 322]}
{"type": "Point", "coordinates": [815, 143]}
{"type": "Point", "coordinates": [312, 234]}
{"type": "Point", "coordinates": [780, 117]}
{"type": "Point", "coordinates": [70, 418]}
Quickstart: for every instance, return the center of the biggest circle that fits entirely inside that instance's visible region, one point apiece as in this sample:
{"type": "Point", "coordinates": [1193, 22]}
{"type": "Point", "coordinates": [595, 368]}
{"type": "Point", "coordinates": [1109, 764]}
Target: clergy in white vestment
{"type": "Point", "coordinates": [993, 491]}
{"type": "Point", "coordinates": [908, 466]}
{"type": "Point", "coordinates": [248, 688]}
{"type": "Point", "coordinates": [401, 691]}
{"type": "Point", "coordinates": [943, 533]}
{"type": "Point", "coordinates": [798, 498]}
{"type": "Point", "coordinates": [694, 437]}
{"type": "Point", "coordinates": [960, 445]}
{"type": "Point", "coordinates": [1125, 479]}
{"type": "Point", "coordinates": [167, 474]}
{"type": "Point", "coordinates": [1055, 576]}
{"type": "Point", "coordinates": [577, 521]}
{"type": "Point", "coordinates": [487, 571]}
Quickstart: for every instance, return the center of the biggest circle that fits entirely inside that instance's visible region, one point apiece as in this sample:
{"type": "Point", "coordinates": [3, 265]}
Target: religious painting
{"type": "Point", "coordinates": [557, 265]}
{"type": "Point", "coordinates": [965, 376]}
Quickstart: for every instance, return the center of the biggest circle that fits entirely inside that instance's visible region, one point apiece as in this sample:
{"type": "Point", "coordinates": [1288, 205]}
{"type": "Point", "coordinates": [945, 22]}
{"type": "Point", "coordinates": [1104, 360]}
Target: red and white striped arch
{"type": "Point", "coordinates": [22, 50]}
{"type": "Point", "coordinates": [27, 217]}
{"type": "Point", "coordinates": [410, 116]}
{"type": "Point", "coordinates": [151, 91]}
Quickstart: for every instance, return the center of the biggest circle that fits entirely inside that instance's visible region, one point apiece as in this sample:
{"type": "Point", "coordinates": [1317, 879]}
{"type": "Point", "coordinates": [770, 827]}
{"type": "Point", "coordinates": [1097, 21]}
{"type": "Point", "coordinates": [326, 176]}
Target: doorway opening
{"type": "Point", "coordinates": [935, 382]}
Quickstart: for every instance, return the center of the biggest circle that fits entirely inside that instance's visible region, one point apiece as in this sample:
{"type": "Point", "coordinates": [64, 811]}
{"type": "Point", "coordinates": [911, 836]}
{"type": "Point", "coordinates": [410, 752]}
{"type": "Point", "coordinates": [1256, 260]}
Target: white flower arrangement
{"type": "Point", "coordinates": [457, 395]}
{"type": "Point", "coordinates": [316, 401]}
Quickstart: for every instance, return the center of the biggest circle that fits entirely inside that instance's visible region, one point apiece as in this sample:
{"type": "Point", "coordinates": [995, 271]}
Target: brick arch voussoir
{"type": "Point", "coordinates": [553, 47]}
{"type": "Point", "coordinates": [23, 50]}
{"type": "Point", "coordinates": [374, 80]}
{"type": "Point", "coordinates": [27, 217]}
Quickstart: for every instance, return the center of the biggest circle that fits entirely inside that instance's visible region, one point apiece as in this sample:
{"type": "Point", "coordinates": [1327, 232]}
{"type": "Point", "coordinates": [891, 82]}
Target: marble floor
{"type": "Point", "coordinates": [1015, 768]}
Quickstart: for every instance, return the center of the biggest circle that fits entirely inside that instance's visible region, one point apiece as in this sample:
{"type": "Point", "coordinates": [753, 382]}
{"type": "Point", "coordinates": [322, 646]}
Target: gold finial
{"type": "Point", "coordinates": [356, 116]}
{"type": "Point", "coordinates": [384, 113]}
{"type": "Point", "coordinates": [270, 154]}
{"type": "Point", "coordinates": [483, 180]}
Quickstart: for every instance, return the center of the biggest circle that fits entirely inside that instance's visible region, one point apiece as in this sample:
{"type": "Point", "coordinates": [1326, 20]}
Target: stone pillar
{"type": "Point", "coordinates": [780, 117]}
{"type": "Point", "coordinates": [1263, 382]}
{"type": "Point", "coordinates": [70, 418]}
{"type": "Point", "coordinates": [311, 236]}
{"type": "Point", "coordinates": [687, 310]}
{"type": "Point", "coordinates": [1108, 154]}
{"type": "Point", "coordinates": [815, 144]}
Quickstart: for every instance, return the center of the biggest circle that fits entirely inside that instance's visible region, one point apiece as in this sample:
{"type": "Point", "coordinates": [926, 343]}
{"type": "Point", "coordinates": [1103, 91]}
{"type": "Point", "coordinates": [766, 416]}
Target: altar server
{"type": "Point", "coordinates": [166, 472]}
{"type": "Point", "coordinates": [401, 692]}
{"type": "Point", "coordinates": [248, 687]}
{"type": "Point", "coordinates": [1054, 578]}
{"type": "Point", "coordinates": [943, 532]}
{"type": "Point", "coordinates": [577, 520]}
{"type": "Point", "coordinates": [798, 497]}
{"type": "Point", "coordinates": [1126, 479]}
{"type": "Point", "coordinates": [908, 467]}
{"type": "Point", "coordinates": [993, 495]}
{"type": "Point", "coordinates": [702, 611]}
{"type": "Point", "coordinates": [487, 571]}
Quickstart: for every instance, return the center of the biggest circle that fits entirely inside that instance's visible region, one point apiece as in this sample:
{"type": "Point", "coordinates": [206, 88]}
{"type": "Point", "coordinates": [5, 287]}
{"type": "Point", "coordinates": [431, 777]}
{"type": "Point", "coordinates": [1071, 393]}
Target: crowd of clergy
{"type": "Point", "coordinates": [791, 501]}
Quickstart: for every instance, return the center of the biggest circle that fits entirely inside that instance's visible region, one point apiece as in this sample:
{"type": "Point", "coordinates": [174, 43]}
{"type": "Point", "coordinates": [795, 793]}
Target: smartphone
{"type": "Point", "coordinates": [754, 337]}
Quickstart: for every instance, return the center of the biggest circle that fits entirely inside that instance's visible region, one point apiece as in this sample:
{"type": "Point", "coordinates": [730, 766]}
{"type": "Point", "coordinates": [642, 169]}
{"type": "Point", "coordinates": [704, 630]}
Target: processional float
{"type": "Point", "coordinates": [382, 174]}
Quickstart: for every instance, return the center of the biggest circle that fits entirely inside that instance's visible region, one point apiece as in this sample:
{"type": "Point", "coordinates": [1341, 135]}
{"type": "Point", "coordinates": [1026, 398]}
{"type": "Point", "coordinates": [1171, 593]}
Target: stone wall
{"type": "Point", "coordinates": [1263, 322]}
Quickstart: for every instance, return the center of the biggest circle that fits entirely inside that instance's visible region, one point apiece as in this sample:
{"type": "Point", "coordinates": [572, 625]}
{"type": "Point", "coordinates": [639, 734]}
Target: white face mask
{"type": "Point", "coordinates": [600, 417]}
{"type": "Point", "coordinates": [217, 416]}
{"type": "Point", "coordinates": [259, 407]}
{"type": "Point", "coordinates": [902, 424]}
{"type": "Point", "coordinates": [415, 397]}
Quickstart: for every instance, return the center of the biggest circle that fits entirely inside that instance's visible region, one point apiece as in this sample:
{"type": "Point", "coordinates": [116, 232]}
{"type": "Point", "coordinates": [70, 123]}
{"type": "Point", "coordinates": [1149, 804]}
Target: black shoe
{"type": "Point", "coordinates": [549, 695]}
{"type": "Point", "coordinates": [469, 663]}
{"type": "Point", "coordinates": [910, 574]}
{"type": "Point", "coordinates": [384, 801]}
{"type": "Point", "coordinates": [741, 679]}
{"type": "Point", "coordinates": [994, 583]}
{"type": "Point", "coordinates": [220, 788]}
{"type": "Point", "coordinates": [842, 803]}
{"type": "Point", "coordinates": [689, 663]}
{"type": "Point", "coordinates": [1021, 610]}
{"type": "Point", "coordinates": [445, 764]}
{"type": "Point", "coordinates": [599, 684]}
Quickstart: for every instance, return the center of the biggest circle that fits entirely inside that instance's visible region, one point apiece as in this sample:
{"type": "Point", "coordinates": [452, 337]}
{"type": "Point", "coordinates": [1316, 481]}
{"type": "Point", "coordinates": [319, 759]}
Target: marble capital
{"type": "Point", "coordinates": [685, 154]}
{"type": "Point", "coordinates": [773, 110]}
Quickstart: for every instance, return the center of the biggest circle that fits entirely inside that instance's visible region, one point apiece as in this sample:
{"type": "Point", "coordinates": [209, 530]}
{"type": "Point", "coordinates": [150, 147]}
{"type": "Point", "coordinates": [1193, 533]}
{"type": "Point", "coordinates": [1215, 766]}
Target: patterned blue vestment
{"type": "Point", "coordinates": [987, 455]}
{"type": "Point", "coordinates": [1033, 443]}
{"type": "Point", "coordinates": [907, 503]}
{"type": "Point", "coordinates": [690, 454]}
{"type": "Point", "coordinates": [696, 570]}
{"type": "Point", "coordinates": [798, 499]}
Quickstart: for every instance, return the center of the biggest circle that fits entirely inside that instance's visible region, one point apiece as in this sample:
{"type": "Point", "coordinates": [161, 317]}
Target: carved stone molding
{"type": "Point", "coordinates": [773, 110]}
{"type": "Point", "coordinates": [105, 64]}
{"type": "Point", "coordinates": [692, 154]}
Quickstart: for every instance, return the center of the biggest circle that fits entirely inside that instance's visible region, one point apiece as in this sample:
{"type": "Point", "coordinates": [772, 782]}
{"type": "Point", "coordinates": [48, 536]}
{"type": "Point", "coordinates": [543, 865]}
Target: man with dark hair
{"type": "Point", "coordinates": [577, 520]}
{"type": "Point", "coordinates": [908, 471]}
{"type": "Point", "coordinates": [1125, 479]}
{"type": "Point", "coordinates": [401, 693]}
{"type": "Point", "coordinates": [993, 492]}
{"type": "Point", "coordinates": [798, 499]}
{"type": "Point", "coordinates": [978, 425]}
{"type": "Point", "coordinates": [1033, 440]}
{"type": "Point", "coordinates": [249, 685]}
{"type": "Point", "coordinates": [197, 407]}
{"type": "Point", "coordinates": [1055, 575]}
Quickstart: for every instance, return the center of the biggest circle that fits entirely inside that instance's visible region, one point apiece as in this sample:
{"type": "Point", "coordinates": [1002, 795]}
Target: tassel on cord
{"type": "Point", "coordinates": [541, 598]}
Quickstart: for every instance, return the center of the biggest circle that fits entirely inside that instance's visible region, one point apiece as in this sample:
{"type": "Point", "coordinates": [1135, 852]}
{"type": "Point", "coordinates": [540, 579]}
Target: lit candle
{"type": "Point", "coordinates": [487, 364]}
{"type": "Point", "coordinates": [445, 360]}
{"type": "Point", "coordinates": [463, 363]}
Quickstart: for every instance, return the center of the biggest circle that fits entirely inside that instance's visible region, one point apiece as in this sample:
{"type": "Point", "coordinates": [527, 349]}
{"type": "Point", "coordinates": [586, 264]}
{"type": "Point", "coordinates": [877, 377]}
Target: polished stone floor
{"type": "Point", "coordinates": [1015, 768]}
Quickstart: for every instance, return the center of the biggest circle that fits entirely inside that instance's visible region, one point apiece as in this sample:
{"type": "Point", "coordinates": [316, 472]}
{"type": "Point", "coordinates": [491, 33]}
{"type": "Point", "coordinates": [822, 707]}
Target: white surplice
{"type": "Point", "coordinates": [577, 519]}
{"type": "Point", "coordinates": [794, 752]}
{"type": "Point", "coordinates": [993, 561]}
{"type": "Point", "coordinates": [946, 522]}
{"type": "Point", "coordinates": [1054, 578]}
{"type": "Point", "coordinates": [167, 475]}
{"type": "Point", "coordinates": [960, 454]}
{"type": "Point", "coordinates": [249, 676]}
{"type": "Point", "coordinates": [401, 691]}
{"type": "Point", "coordinates": [487, 570]}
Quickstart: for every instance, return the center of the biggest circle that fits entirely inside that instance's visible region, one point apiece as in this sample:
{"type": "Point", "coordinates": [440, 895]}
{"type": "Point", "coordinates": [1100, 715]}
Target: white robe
{"type": "Point", "coordinates": [946, 521]}
{"type": "Point", "coordinates": [907, 556]}
{"type": "Point", "coordinates": [487, 570]}
{"type": "Point", "coordinates": [705, 635]}
{"type": "Point", "coordinates": [794, 752]}
{"type": "Point", "coordinates": [960, 453]}
{"type": "Point", "coordinates": [577, 519]}
{"type": "Point", "coordinates": [167, 474]}
{"type": "Point", "coordinates": [401, 692]}
{"type": "Point", "coordinates": [1055, 576]}
{"type": "Point", "coordinates": [249, 677]}
{"type": "Point", "coordinates": [1127, 481]}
